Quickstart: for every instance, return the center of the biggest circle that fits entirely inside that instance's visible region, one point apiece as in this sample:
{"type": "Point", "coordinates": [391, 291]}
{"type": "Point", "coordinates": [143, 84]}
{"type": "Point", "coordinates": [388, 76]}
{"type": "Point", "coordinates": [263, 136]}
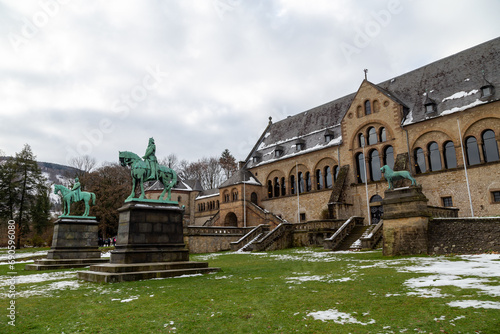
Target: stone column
{"type": "Point", "coordinates": [406, 220]}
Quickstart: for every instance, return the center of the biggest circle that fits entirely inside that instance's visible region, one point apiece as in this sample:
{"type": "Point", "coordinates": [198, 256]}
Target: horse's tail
{"type": "Point", "coordinates": [174, 178]}
{"type": "Point", "coordinates": [93, 198]}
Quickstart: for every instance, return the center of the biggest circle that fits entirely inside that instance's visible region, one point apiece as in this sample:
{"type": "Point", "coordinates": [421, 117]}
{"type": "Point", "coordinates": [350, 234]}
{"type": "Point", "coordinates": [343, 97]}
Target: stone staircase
{"type": "Point", "coordinates": [352, 241]}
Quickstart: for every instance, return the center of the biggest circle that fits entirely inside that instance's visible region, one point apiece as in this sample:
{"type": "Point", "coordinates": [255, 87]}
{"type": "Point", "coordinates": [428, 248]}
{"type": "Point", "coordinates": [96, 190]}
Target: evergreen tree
{"type": "Point", "coordinates": [228, 163]}
{"type": "Point", "coordinates": [40, 211]}
{"type": "Point", "coordinates": [9, 183]}
{"type": "Point", "coordinates": [30, 177]}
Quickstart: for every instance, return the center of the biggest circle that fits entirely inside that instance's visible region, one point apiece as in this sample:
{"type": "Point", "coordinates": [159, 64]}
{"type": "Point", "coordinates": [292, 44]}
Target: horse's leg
{"type": "Point", "coordinates": [133, 188]}
{"type": "Point", "coordinates": [142, 187]}
{"type": "Point", "coordinates": [162, 179]}
{"type": "Point", "coordinates": [87, 208]}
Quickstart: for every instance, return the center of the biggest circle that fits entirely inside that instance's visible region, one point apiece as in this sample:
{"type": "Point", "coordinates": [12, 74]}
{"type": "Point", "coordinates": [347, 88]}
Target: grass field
{"type": "Point", "coordinates": [302, 290]}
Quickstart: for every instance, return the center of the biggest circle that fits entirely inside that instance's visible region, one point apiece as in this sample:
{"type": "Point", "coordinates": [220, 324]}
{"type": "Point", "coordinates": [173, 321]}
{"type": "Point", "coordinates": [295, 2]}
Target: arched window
{"type": "Point", "coordinates": [420, 161]}
{"type": "Point", "coordinates": [450, 157]}
{"type": "Point", "coordinates": [319, 179]}
{"type": "Point", "coordinates": [253, 198]}
{"type": "Point", "coordinates": [270, 189]}
{"type": "Point", "coordinates": [179, 199]}
{"type": "Point", "coordinates": [360, 167]}
{"type": "Point", "coordinates": [372, 136]}
{"type": "Point", "coordinates": [235, 195]}
{"type": "Point", "coordinates": [308, 181]}
{"type": "Point", "coordinates": [361, 140]}
{"type": "Point", "coordinates": [434, 156]}
{"type": "Point", "coordinates": [389, 156]}
{"type": "Point", "coordinates": [292, 184]}
{"type": "Point", "coordinates": [301, 182]}
{"type": "Point", "coordinates": [472, 151]}
{"type": "Point", "coordinates": [383, 135]}
{"type": "Point", "coordinates": [376, 198]}
{"type": "Point", "coordinates": [217, 204]}
{"type": "Point", "coordinates": [276, 187]}
{"type": "Point", "coordinates": [368, 109]}
{"type": "Point", "coordinates": [283, 187]}
{"type": "Point", "coordinates": [328, 177]}
{"type": "Point", "coordinates": [376, 106]}
{"type": "Point", "coordinates": [375, 172]}
{"type": "Point", "coordinates": [490, 147]}
{"type": "Point", "coordinates": [335, 172]}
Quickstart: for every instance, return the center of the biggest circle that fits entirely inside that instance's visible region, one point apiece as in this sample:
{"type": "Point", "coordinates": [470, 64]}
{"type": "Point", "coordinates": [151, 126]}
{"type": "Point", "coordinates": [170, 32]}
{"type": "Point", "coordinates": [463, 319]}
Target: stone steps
{"type": "Point", "coordinates": [52, 264]}
{"type": "Point", "coordinates": [355, 234]}
{"type": "Point", "coordinates": [143, 271]}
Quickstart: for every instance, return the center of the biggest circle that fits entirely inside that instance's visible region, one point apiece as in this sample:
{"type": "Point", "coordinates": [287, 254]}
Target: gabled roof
{"type": "Point", "coordinates": [454, 83]}
{"type": "Point", "coordinates": [239, 177]}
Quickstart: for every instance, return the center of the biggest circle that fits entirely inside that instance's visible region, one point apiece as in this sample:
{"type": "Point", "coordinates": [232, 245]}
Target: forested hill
{"type": "Point", "coordinates": [55, 173]}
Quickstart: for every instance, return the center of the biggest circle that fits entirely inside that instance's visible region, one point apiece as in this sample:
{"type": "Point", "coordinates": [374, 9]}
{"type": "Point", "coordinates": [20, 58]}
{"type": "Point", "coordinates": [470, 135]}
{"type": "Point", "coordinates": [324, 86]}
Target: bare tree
{"type": "Point", "coordinates": [85, 163]}
{"type": "Point", "coordinates": [207, 170]}
{"type": "Point", "coordinates": [170, 161]}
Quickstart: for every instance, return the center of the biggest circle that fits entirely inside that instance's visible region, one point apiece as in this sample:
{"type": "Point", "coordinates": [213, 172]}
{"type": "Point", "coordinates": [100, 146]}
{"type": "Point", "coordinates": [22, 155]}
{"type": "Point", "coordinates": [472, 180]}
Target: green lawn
{"type": "Point", "coordinates": [274, 292]}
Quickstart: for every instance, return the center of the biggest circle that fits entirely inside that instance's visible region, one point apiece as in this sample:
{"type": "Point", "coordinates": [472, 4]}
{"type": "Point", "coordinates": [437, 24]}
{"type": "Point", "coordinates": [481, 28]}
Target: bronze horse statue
{"type": "Point", "coordinates": [68, 197]}
{"type": "Point", "coordinates": [141, 172]}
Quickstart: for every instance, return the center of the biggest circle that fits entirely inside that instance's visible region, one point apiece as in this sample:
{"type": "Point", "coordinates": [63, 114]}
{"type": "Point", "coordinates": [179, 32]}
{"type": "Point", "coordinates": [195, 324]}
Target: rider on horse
{"type": "Point", "coordinates": [76, 190]}
{"type": "Point", "coordinates": [151, 161]}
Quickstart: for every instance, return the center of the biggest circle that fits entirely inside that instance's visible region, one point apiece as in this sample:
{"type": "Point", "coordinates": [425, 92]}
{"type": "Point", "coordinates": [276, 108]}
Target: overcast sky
{"type": "Point", "coordinates": [94, 77]}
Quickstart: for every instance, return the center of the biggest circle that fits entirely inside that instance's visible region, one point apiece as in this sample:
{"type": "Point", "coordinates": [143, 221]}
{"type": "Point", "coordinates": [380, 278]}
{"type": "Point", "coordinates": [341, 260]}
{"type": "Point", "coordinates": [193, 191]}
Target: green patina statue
{"type": "Point", "coordinates": [72, 196]}
{"type": "Point", "coordinates": [148, 170]}
{"type": "Point", "coordinates": [392, 176]}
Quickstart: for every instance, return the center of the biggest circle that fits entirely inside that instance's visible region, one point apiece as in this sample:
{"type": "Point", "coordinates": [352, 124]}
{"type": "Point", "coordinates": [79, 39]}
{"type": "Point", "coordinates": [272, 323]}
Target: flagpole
{"type": "Point", "coordinates": [244, 203]}
{"type": "Point", "coordinates": [297, 188]}
{"type": "Point", "coordinates": [465, 167]}
{"type": "Point", "coordinates": [366, 189]}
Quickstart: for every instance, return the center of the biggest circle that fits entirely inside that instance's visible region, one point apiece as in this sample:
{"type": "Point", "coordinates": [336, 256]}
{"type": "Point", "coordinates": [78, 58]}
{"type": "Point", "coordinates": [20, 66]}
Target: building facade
{"type": "Point", "coordinates": [441, 122]}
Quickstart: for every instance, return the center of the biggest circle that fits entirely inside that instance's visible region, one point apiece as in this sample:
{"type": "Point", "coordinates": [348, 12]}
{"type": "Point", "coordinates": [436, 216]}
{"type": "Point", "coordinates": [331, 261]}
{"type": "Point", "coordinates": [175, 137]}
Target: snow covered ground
{"type": "Point", "coordinates": [480, 273]}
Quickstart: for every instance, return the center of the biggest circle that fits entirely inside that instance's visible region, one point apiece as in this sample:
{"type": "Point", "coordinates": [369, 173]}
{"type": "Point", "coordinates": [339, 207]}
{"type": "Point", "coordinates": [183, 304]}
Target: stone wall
{"type": "Point", "coordinates": [463, 235]}
{"type": "Point", "coordinates": [212, 239]}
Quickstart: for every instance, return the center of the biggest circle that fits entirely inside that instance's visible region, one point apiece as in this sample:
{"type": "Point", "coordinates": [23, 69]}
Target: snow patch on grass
{"type": "Point", "coordinates": [338, 317]}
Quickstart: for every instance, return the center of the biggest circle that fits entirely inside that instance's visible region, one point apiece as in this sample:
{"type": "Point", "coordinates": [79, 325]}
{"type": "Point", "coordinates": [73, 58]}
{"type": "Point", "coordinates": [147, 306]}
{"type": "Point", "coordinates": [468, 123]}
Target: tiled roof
{"type": "Point", "coordinates": [453, 83]}
{"type": "Point", "coordinates": [240, 176]}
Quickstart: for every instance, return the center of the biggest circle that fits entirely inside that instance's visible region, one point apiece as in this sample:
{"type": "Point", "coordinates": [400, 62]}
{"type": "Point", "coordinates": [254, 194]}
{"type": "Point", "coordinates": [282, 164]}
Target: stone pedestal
{"type": "Point", "coordinates": [74, 244]}
{"type": "Point", "coordinates": [406, 220]}
{"type": "Point", "coordinates": [150, 244]}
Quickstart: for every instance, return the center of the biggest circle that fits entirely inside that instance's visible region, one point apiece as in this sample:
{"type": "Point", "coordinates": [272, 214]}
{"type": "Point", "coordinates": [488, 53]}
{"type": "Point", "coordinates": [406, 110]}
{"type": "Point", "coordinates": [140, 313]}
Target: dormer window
{"type": "Point", "coordinates": [430, 107]}
{"type": "Point", "coordinates": [256, 158]}
{"type": "Point", "coordinates": [329, 135]}
{"type": "Point", "coordinates": [278, 151]}
{"type": "Point", "coordinates": [486, 90]}
{"type": "Point", "coordinates": [300, 145]}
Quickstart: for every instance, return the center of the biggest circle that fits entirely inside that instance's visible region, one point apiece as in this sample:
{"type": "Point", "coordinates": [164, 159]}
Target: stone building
{"type": "Point", "coordinates": [441, 122]}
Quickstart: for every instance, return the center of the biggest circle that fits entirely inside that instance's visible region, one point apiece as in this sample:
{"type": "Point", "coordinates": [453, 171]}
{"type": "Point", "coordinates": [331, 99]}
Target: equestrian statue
{"type": "Point", "coordinates": [74, 195]}
{"type": "Point", "coordinates": [148, 170]}
{"type": "Point", "coordinates": [392, 176]}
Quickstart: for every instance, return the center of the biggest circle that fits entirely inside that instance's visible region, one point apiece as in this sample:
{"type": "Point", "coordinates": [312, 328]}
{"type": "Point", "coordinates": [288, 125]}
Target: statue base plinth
{"type": "Point", "coordinates": [406, 220]}
{"type": "Point", "coordinates": [150, 244]}
{"type": "Point", "coordinates": [74, 245]}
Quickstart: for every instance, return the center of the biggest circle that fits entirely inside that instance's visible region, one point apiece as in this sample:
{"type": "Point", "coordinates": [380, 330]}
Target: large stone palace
{"type": "Point", "coordinates": [441, 122]}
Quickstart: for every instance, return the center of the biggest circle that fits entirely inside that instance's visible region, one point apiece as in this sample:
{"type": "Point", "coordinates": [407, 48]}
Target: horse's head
{"type": "Point", "coordinates": [383, 169]}
{"type": "Point", "coordinates": [126, 158]}
{"type": "Point", "coordinates": [60, 188]}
